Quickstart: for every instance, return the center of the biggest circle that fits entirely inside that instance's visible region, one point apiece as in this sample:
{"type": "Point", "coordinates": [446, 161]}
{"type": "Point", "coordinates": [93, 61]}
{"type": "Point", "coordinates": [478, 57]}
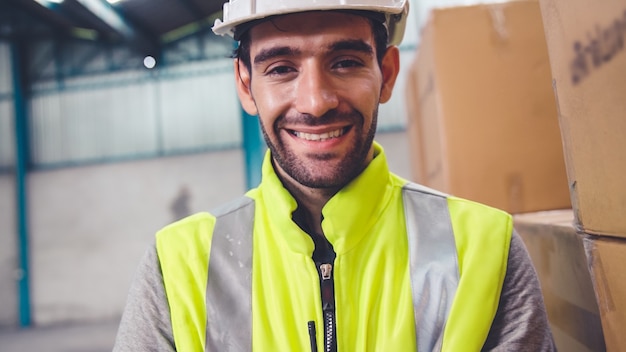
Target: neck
{"type": "Point", "coordinates": [310, 200]}
{"type": "Point", "coordinates": [310, 203]}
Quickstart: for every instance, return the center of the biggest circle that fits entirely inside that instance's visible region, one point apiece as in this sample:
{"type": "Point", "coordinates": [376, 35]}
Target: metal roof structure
{"type": "Point", "coordinates": [145, 25]}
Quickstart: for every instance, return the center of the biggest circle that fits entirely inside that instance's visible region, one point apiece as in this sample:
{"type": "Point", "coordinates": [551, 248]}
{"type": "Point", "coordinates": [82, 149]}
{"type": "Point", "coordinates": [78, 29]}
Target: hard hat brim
{"type": "Point", "coordinates": [228, 27]}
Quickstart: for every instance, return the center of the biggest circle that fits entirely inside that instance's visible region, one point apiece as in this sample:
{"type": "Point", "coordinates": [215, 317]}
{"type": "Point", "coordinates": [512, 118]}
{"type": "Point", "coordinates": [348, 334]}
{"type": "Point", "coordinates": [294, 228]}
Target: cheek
{"type": "Point", "coordinates": [367, 87]}
{"type": "Point", "coordinates": [270, 100]}
{"type": "Point", "coordinates": [365, 97]}
{"type": "Point", "coordinates": [270, 104]}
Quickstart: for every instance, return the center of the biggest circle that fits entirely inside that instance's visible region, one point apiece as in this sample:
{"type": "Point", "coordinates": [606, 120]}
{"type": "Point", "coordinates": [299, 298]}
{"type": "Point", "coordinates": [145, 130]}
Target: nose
{"type": "Point", "coordinates": [316, 93]}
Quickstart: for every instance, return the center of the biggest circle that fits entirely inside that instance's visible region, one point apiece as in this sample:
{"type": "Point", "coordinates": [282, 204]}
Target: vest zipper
{"type": "Point", "coordinates": [328, 306]}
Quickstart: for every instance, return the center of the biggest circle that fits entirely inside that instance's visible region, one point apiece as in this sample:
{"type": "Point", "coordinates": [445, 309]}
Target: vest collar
{"type": "Point", "coordinates": [348, 215]}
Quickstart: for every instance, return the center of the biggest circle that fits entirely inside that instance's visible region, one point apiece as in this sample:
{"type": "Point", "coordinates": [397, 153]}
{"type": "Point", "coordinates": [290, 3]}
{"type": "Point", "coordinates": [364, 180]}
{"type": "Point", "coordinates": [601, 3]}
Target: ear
{"type": "Point", "coordinates": [390, 68]}
{"type": "Point", "coordinates": [244, 91]}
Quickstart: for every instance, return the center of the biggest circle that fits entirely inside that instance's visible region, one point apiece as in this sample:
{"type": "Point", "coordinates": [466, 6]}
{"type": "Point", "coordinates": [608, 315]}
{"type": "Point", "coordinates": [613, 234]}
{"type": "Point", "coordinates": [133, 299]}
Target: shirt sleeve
{"type": "Point", "coordinates": [146, 323]}
{"type": "Point", "coordinates": [521, 321]}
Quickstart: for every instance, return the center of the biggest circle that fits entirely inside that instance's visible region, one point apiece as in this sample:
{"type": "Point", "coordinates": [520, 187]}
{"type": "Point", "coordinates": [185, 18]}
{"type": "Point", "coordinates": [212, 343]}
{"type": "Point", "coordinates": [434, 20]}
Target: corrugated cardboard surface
{"type": "Point", "coordinates": [485, 124]}
{"type": "Point", "coordinates": [559, 257]}
{"type": "Point", "coordinates": [586, 42]}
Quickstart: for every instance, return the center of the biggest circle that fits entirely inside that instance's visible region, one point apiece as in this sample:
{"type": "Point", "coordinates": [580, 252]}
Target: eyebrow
{"type": "Point", "coordinates": [352, 45]}
{"type": "Point", "coordinates": [267, 54]}
{"type": "Point", "coordinates": [349, 44]}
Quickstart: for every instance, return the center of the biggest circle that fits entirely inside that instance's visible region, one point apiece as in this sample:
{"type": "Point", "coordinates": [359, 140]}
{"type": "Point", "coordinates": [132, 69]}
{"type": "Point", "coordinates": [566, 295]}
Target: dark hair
{"type": "Point", "coordinates": [379, 31]}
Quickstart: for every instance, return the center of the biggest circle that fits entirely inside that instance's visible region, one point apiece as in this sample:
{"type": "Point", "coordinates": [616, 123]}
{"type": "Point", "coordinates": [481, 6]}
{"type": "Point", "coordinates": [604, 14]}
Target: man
{"type": "Point", "coordinates": [331, 252]}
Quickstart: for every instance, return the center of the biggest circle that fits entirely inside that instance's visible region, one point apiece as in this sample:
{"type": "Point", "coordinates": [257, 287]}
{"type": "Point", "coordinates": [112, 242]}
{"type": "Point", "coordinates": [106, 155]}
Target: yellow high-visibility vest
{"type": "Point", "coordinates": [415, 269]}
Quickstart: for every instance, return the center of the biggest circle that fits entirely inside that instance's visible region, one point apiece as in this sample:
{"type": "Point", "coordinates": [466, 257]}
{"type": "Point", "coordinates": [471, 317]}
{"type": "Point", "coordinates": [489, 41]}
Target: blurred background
{"type": "Point", "coordinates": [118, 117]}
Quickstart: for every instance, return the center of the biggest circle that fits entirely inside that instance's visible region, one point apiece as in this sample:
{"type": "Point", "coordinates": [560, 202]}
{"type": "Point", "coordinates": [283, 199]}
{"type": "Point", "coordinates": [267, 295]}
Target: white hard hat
{"type": "Point", "coordinates": [238, 12]}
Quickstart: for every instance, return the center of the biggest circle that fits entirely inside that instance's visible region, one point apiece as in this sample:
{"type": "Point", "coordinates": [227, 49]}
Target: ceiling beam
{"type": "Point", "coordinates": [126, 30]}
{"type": "Point", "coordinates": [104, 11]}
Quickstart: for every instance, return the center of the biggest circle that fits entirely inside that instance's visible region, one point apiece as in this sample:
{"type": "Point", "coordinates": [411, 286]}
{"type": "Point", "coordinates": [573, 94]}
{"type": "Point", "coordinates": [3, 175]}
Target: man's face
{"type": "Point", "coordinates": [316, 84]}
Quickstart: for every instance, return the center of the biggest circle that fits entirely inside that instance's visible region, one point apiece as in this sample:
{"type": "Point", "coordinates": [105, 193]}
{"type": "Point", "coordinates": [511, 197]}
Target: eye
{"type": "Point", "coordinates": [347, 63]}
{"type": "Point", "coordinates": [279, 70]}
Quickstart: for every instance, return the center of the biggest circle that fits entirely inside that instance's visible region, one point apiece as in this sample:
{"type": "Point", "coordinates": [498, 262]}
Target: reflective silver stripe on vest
{"type": "Point", "coordinates": [434, 264]}
{"type": "Point", "coordinates": [229, 285]}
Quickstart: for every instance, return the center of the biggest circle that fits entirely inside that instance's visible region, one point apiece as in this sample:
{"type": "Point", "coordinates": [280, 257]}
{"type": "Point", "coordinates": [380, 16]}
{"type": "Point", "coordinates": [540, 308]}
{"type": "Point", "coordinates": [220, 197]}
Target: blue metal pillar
{"type": "Point", "coordinates": [254, 148]}
{"type": "Point", "coordinates": [21, 164]}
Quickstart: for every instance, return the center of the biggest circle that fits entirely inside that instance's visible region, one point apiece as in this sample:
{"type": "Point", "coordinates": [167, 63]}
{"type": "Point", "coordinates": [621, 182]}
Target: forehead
{"type": "Point", "coordinates": [310, 27]}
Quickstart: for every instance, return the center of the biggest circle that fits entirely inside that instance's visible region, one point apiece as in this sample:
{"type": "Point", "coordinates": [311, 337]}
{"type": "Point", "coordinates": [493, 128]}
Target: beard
{"type": "Point", "coordinates": [305, 169]}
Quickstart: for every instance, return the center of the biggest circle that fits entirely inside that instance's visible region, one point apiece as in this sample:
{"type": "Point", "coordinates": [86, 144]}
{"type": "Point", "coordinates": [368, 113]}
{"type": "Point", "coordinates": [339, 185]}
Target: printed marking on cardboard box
{"type": "Point", "coordinates": [600, 46]}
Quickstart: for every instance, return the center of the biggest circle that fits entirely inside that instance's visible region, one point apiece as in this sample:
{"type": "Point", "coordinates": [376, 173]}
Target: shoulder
{"type": "Point", "coordinates": [466, 207]}
{"type": "Point", "coordinates": [233, 207]}
{"type": "Point", "coordinates": [188, 226]}
{"type": "Point", "coordinates": [413, 188]}
{"type": "Point", "coordinates": [479, 218]}
{"type": "Point", "coordinates": [458, 207]}
{"type": "Point", "coordinates": [480, 229]}
{"type": "Point", "coordinates": [203, 221]}
{"type": "Point", "coordinates": [196, 231]}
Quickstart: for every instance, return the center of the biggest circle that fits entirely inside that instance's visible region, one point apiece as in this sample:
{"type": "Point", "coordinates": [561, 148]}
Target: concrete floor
{"type": "Point", "coordinates": [84, 337]}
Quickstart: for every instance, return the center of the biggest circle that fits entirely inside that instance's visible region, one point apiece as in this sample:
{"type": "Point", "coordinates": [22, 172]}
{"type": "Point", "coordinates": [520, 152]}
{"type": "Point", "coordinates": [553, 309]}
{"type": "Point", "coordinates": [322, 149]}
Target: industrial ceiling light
{"type": "Point", "coordinates": [48, 2]}
{"type": "Point", "coordinates": [149, 62]}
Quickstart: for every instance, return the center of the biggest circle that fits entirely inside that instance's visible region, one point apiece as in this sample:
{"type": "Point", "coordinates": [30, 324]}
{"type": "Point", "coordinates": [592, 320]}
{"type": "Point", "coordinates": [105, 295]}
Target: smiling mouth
{"type": "Point", "coordinates": [321, 136]}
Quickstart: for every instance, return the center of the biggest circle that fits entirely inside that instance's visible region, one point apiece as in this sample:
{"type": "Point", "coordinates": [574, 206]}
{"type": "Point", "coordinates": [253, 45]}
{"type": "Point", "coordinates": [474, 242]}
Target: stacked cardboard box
{"type": "Point", "coordinates": [588, 57]}
{"type": "Point", "coordinates": [586, 44]}
{"type": "Point", "coordinates": [559, 255]}
{"type": "Point", "coordinates": [582, 280]}
{"type": "Point", "coordinates": [482, 115]}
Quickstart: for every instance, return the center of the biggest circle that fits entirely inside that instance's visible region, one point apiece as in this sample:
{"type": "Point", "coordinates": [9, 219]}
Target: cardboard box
{"type": "Point", "coordinates": [559, 257]}
{"type": "Point", "coordinates": [586, 44]}
{"type": "Point", "coordinates": [483, 121]}
{"type": "Point", "coordinates": [572, 266]}
{"type": "Point", "coordinates": [607, 257]}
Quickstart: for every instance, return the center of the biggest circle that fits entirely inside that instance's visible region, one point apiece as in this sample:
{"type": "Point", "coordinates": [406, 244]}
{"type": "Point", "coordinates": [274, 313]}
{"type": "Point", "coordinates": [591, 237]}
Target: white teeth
{"type": "Point", "coordinates": [319, 137]}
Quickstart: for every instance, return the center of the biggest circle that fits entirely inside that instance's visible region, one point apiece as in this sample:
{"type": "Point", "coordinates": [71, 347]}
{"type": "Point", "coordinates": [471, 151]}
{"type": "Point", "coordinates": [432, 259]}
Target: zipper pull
{"type": "Point", "coordinates": [326, 270]}
{"type": "Point", "coordinates": [328, 299]}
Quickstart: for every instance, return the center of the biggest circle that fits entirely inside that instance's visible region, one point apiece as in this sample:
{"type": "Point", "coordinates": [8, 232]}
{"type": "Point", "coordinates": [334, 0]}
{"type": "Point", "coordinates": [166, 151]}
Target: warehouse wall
{"type": "Point", "coordinates": [91, 224]}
